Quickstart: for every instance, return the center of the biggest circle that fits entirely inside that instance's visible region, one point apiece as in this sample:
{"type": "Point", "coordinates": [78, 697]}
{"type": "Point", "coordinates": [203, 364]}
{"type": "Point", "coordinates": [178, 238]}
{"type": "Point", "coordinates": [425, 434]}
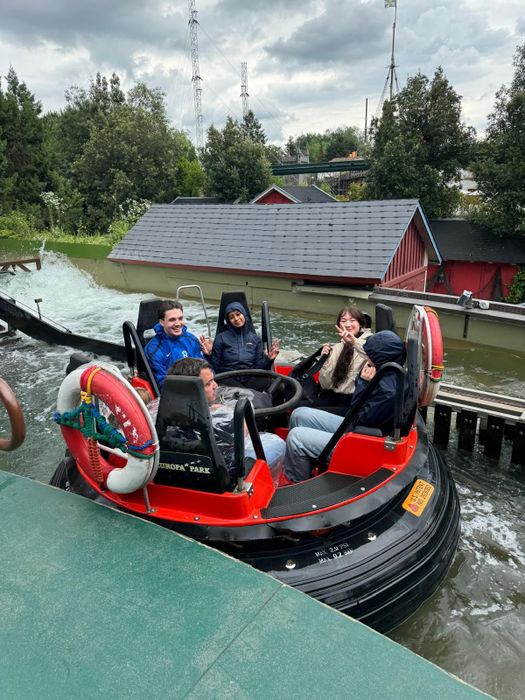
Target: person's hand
{"type": "Point", "coordinates": [368, 372]}
{"type": "Point", "coordinates": [274, 349]}
{"type": "Point", "coordinates": [327, 349]}
{"type": "Point", "coordinates": [206, 344]}
{"type": "Point", "coordinates": [345, 335]}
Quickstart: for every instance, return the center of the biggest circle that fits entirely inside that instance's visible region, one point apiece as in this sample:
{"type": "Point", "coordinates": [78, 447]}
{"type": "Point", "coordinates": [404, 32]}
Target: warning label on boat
{"type": "Point", "coordinates": [418, 497]}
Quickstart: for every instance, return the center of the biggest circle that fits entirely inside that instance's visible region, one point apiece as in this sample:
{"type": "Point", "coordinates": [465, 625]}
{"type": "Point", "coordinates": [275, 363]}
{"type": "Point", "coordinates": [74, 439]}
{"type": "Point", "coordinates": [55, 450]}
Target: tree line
{"type": "Point", "coordinates": [95, 165]}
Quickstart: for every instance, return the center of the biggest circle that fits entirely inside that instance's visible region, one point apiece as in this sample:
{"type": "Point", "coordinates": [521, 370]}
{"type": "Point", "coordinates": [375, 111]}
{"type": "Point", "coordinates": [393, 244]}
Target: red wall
{"type": "Point", "coordinates": [274, 197]}
{"type": "Point", "coordinates": [408, 268]}
{"type": "Point", "coordinates": [477, 277]}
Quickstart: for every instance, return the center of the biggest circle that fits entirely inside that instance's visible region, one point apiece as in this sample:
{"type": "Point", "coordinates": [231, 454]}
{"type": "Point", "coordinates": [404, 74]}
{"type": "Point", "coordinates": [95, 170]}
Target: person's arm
{"type": "Point", "coordinates": [216, 353]}
{"type": "Point", "coordinates": [159, 361]}
{"type": "Point", "coordinates": [206, 344]}
{"type": "Point", "coordinates": [261, 359]}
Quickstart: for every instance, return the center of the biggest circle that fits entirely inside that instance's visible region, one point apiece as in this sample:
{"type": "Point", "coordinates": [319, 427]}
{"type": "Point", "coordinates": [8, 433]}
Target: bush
{"type": "Point", "coordinates": [17, 225]}
{"type": "Point", "coordinates": [517, 290]}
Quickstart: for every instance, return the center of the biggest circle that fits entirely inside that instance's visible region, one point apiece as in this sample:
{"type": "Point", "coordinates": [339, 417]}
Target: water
{"type": "Point", "coordinates": [474, 626]}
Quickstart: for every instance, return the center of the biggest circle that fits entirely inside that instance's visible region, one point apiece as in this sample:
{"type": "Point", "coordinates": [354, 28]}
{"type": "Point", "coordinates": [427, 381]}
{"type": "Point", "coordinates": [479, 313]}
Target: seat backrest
{"type": "Point", "coordinates": [189, 456]}
{"type": "Point", "coordinates": [412, 381]}
{"type": "Point", "coordinates": [385, 318]}
{"type": "Point", "coordinates": [76, 360]}
{"type": "Point", "coordinates": [148, 317]}
{"type": "Point", "coordinates": [228, 298]}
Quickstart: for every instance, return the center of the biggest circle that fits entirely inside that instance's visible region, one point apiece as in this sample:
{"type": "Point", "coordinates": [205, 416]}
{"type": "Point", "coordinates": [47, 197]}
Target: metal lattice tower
{"type": "Point", "coordinates": [195, 77]}
{"type": "Point", "coordinates": [244, 89]}
{"type": "Point", "coordinates": [391, 76]}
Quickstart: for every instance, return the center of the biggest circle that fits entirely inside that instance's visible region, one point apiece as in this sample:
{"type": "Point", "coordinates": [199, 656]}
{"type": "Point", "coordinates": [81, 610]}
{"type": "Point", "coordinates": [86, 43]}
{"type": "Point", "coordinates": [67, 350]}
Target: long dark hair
{"type": "Point", "coordinates": [345, 358]}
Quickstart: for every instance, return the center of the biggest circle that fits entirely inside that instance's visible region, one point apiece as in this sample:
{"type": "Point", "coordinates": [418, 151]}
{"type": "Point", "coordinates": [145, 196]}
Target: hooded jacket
{"type": "Point", "coordinates": [163, 350]}
{"type": "Point", "coordinates": [378, 410]}
{"type": "Point", "coordinates": [238, 348]}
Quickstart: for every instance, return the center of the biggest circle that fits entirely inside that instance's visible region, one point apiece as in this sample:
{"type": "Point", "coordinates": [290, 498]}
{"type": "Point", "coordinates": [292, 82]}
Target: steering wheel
{"type": "Point", "coordinates": [278, 379]}
{"type": "Point", "coordinates": [305, 369]}
{"type": "Point", "coordinates": [16, 418]}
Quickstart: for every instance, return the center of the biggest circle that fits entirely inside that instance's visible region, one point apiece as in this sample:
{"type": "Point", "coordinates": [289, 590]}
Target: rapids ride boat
{"type": "Point", "coordinates": [372, 533]}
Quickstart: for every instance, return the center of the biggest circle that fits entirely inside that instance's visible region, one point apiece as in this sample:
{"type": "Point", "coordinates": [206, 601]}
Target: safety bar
{"type": "Point", "coordinates": [266, 329]}
{"type": "Point", "coordinates": [242, 415]}
{"type": "Point", "coordinates": [351, 413]}
{"type": "Point", "coordinates": [136, 357]}
{"type": "Point", "coordinates": [196, 286]}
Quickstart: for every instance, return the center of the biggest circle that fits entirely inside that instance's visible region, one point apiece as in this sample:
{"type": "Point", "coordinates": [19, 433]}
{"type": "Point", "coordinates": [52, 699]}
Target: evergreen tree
{"type": "Point", "coordinates": [500, 167]}
{"type": "Point", "coordinates": [252, 128]}
{"type": "Point", "coordinates": [420, 145]}
{"type": "Point", "coordinates": [23, 164]}
{"type": "Point", "coordinates": [236, 167]}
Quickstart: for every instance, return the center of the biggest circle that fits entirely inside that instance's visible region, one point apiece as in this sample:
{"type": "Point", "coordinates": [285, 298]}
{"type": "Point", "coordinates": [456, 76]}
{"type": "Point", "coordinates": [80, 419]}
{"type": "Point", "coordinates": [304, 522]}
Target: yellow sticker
{"type": "Point", "coordinates": [418, 497]}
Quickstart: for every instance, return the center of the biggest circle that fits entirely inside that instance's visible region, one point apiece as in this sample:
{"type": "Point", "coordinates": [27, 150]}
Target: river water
{"type": "Point", "coordinates": [474, 626]}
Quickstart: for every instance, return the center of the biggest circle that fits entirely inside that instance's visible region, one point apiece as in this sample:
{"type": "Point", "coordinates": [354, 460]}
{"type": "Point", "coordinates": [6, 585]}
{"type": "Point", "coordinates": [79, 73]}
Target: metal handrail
{"type": "Point", "coordinates": [196, 286]}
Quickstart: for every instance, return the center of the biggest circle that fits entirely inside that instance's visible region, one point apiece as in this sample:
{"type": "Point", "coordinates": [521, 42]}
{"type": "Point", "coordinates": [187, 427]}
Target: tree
{"type": "Point", "coordinates": [236, 167]}
{"type": "Point", "coordinates": [24, 169]}
{"type": "Point", "coordinates": [132, 154]}
{"type": "Point", "coordinates": [500, 167]}
{"type": "Point", "coordinates": [420, 145]}
{"type": "Point", "coordinates": [252, 128]}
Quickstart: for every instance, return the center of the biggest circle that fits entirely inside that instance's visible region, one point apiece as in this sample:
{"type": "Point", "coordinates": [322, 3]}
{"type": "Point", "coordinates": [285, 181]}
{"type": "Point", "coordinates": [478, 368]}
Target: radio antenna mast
{"type": "Point", "coordinates": [195, 77]}
{"type": "Point", "coordinates": [244, 89]}
{"type": "Point", "coordinates": [391, 76]}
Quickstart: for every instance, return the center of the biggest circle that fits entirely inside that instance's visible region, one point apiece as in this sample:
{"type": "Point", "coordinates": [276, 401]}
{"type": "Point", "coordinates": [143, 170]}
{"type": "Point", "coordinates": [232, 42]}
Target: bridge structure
{"type": "Point", "coordinates": [358, 165]}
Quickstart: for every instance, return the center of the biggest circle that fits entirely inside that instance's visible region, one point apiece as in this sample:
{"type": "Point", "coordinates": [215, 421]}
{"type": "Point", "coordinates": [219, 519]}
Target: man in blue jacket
{"type": "Point", "coordinates": [173, 341]}
{"type": "Point", "coordinates": [311, 429]}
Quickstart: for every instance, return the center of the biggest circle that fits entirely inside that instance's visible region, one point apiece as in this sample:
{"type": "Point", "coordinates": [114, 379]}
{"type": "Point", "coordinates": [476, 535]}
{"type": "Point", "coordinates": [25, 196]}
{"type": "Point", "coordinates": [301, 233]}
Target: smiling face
{"type": "Point", "coordinates": [210, 385]}
{"type": "Point", "coordinates": [349, 323]}
{"type": "Point", "coordinates": [173, 322]}
{"type": "Point", "coordinates": [236, 319]}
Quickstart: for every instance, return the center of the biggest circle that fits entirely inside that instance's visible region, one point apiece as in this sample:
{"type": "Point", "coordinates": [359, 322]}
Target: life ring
{"type": "Point", "coordinates": [425, 321]}
{"type": "Point", "coordinates": [16, 418]}
{"type": "Point", "coordinates": [105, 383]}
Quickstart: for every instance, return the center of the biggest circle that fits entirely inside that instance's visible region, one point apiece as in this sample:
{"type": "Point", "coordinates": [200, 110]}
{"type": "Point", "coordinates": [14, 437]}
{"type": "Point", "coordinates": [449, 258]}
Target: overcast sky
{"type": "Point", "coordinates": [311, 63]}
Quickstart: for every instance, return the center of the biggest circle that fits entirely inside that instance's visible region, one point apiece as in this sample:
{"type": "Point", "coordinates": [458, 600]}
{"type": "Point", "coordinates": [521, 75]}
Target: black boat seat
{"type": "Point", "coordinates": [411, 389]}
{"type": "Point", "coordinates": [229, 298]}
{"type": "Point", "coordinates": [385, 318]}
{"type": "Point", "coordinates": [147, 317]}
{"type": "Point", "coordinates": [76, 360]}
{"type": "Point", "coordinates": [189, 454]}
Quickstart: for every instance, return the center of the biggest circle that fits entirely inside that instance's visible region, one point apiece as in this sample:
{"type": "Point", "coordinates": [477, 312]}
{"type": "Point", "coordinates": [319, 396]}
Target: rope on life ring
{"type": "Point", "coordinates": [432, 356]}
{"type": "Point", "coordinates": [16, 418]}
{"type": "Point", "coordinates": [87, 432]}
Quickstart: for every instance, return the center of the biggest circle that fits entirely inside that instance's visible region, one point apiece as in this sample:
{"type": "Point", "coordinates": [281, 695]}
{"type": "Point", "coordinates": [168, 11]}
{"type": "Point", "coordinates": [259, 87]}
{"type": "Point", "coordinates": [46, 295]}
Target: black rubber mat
{"type": "Point", "coordinates": [321, 492]}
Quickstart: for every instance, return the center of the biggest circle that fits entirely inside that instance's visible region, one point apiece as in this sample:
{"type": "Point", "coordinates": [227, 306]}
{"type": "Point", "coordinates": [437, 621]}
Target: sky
{"type": "Point", "coordinates": [311, 63]}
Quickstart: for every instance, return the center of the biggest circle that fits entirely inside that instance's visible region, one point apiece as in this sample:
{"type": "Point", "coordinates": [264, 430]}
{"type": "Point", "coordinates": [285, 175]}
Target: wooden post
{"type": "Point", "coordinates": [518, 445]}
{"type": "Point", "coordinates": [442, 416]}
{"type": "Point", "coordinates": [466, 423]}
{"type": "Point", "coordinates": [493, 437]}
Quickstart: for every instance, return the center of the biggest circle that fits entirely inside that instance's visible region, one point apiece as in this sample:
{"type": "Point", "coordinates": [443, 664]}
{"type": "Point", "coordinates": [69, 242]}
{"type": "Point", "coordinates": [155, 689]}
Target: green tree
{"type": "Point", "coordinates": [420, 145]}
{"type": "Point", "coordinates": [236, 167]}
{"type": "Point", "coordinates": [24, 169]}
{"type": "Point", "coordinates": [500, 167]}
{"type": "Point", "coordinates": [133, 154]}
{"type": "Point", "coordinates": [252, 128]}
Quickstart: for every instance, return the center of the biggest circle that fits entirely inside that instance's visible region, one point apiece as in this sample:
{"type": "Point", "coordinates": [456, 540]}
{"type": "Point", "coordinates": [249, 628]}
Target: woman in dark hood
{"type": "Point", "coordinates": [239, 347]}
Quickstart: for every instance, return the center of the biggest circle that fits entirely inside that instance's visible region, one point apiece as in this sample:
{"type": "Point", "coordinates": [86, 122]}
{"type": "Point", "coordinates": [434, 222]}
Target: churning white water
{"type": "Point", "coordinates": [474, 625]}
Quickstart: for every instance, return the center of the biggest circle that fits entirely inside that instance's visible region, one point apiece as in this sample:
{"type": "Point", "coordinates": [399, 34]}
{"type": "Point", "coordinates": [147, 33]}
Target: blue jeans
{"type": "Point", "coordinates": [274, 448]}
{"type": "Point", "coordinates": [310, 431]}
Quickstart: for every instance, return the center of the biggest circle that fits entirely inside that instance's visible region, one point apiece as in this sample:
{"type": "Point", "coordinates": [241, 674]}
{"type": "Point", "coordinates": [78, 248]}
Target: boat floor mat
{"type": "Point", "coordinates": [323, 491]}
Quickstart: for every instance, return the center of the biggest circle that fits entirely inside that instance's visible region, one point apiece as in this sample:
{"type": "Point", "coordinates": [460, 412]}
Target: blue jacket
{"type": "Point", "coordinates": [378, 410]}
{"type": "Point", "coordinates": [163, 350]}
{"type": "Point", "coordinates": [238, 348]}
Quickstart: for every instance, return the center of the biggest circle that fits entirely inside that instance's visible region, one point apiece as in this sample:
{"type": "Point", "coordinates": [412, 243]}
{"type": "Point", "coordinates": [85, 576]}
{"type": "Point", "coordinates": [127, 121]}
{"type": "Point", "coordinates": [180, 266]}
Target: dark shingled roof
{"type": "Point", "coordinates": [343, 240]}
{"type": "Point", "coordinates": [458, 239]}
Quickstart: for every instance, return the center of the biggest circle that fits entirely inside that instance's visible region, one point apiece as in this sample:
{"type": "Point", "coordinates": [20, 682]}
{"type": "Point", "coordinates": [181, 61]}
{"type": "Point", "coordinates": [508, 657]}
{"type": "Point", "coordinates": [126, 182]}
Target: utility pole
{"type": "Point", "coordinates": [244, 89]}
{"type": "Point", "coordinates": [195, 77]}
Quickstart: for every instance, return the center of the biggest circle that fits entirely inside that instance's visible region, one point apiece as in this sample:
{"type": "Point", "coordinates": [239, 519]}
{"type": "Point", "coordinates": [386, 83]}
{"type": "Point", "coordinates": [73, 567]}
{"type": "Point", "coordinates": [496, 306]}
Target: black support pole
{"type": "Point", "coordinates": [493, 437]}
{"type": "Point", "coordinates": [442, 415]}
{"type": "Point", "coordinates": [518, 445]}
{"type": "Point", "coordinates": [467, 421]}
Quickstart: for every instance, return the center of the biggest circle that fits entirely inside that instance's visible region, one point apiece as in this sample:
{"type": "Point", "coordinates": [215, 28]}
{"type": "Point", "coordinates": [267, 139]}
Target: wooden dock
{"type": "Point", "coordinates": [22, 263]}
{"type": "Point", "coordinates": [490, 417]}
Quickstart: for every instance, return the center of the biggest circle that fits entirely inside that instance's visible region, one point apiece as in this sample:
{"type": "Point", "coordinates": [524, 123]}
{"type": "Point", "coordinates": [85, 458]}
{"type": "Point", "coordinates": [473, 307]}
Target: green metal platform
{"type": "Point", "coordinates": [98, 604]}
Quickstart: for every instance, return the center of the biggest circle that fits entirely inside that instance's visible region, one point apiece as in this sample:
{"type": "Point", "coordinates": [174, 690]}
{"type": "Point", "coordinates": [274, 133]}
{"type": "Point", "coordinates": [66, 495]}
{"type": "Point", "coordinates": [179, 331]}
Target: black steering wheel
{"type": "Point", "coordinates": [278, 379]}
{"type": "Point", "coordinates": [306, 368]}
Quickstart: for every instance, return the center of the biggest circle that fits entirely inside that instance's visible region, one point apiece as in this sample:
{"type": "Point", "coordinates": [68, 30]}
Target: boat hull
{"type": "Point", "coordinates": [378, 568]}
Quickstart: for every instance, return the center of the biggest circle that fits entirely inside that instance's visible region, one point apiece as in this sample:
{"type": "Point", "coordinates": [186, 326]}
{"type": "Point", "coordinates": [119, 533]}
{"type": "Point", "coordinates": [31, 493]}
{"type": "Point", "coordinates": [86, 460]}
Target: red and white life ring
{"type": "Point", "coordinates": [105, 382]}
{"type": "Point", "coordinates": [425, 321]}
